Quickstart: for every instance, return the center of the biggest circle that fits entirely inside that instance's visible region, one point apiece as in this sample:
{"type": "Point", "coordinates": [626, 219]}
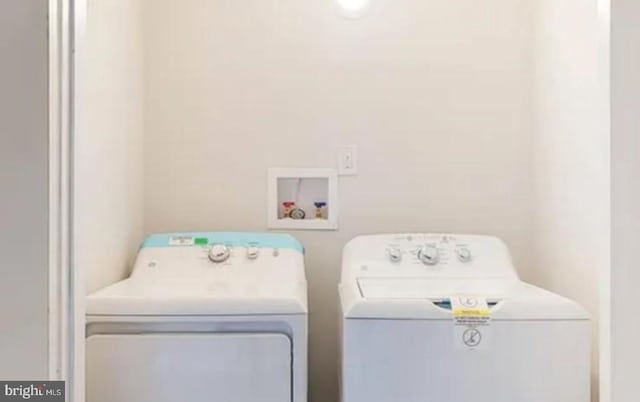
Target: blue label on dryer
{"type": "Point", "coordinates": [233, 239]}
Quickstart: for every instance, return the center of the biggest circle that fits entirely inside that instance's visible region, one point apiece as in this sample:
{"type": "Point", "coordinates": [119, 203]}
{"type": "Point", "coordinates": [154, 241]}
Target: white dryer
{"type": "Point", "coordinates": [203, 317]}
{"type": "Point", "coordinates": [407, 335]}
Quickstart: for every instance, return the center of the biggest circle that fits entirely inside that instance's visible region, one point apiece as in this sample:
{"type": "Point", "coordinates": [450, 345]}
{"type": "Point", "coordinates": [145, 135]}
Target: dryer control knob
{"type": "Point", "coordinates": [429, 255]}
{"type": "Point", "coordinates": [253, 252]}
{"type": "Point", "coordinates": [395, 254]}
{"type": "Point", "coordinates": [219, 253]}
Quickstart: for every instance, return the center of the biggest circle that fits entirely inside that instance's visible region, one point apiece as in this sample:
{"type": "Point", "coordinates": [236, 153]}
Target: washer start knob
{"type": "Point", "coordinates": [464, 254]}
{"type": "Point", "coordinates": [429, 255]}
{"type": "Point", "coordinates": [219, 253]}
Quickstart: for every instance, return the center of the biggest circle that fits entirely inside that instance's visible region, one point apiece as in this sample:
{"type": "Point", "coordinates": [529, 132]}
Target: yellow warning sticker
{"type": "Point", "coordinates": [471, 320]}
{"type": "Point", "coordinates": [470, 306]}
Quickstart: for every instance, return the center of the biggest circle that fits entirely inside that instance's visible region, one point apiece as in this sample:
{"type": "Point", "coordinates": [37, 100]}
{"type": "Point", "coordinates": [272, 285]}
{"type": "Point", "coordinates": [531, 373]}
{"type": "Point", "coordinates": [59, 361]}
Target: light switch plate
{"type": "Point", "coordinates": [348, 160]}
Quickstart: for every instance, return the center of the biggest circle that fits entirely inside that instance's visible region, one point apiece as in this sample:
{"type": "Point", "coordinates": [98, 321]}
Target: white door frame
{"type": "Point", "coordinates": [78, 109]}
{"type": "Point", "coordinates": [58, 204]}
{"type": "Point", "coordinates": [66, 119]}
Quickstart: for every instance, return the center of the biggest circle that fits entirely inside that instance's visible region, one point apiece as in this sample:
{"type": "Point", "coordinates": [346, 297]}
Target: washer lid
{"type": "Point", "coordinates": [433, 289]}
{"type": "Point", "coordinates": [420, 298]}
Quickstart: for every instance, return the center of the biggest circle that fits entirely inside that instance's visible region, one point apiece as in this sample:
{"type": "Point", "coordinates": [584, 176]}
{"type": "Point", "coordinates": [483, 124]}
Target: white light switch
{"type": "Point", "coordinates": [348, 160]}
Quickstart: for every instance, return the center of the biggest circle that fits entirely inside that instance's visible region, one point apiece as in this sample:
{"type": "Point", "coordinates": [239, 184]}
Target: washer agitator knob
{"type": "Point", "coordinates": [429, 255]}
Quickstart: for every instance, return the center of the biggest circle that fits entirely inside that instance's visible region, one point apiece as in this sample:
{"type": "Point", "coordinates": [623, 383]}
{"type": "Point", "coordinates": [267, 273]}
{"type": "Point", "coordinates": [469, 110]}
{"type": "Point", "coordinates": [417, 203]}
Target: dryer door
{"type": "Point", "coordinates": [198, 367]}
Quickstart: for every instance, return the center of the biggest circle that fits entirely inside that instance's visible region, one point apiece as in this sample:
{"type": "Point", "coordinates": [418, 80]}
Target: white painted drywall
{"type": "Point", "coordinates": [625, 139]}
{"type": "Point", "coordinates": [436, 94]}
{"type": "Point", "coordinates": [571, 154]}
{"type": "Point", "coordinates": [109, 156]}
{"type": "Point", "coordinates": [24, 197]}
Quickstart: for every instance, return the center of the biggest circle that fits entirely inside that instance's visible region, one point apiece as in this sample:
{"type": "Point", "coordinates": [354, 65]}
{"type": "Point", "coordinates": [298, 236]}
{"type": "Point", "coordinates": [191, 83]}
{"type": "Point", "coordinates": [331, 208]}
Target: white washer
{"type": "Point", "coordinates": [400, 341]}
{"type": "Point", "coordinates": [203, 317]}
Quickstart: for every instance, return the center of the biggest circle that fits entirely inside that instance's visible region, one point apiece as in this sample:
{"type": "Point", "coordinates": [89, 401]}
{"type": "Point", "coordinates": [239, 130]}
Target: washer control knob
{"type": "Point", "coordinates": [464, 254]}
{"type": "Point", "coordinates": [253, 252]}
{"type": "Point", "coordinates": [219, 253]}
{"type": "Point", "coordinates": [429, 255]}
{"type": "Point", "coordinates": [395, 254]}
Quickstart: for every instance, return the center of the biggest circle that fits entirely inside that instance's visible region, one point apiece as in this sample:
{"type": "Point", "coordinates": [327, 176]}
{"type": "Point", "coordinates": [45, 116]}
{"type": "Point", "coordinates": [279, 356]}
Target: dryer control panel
{"type": "Point", "coordinates": [210, 273]}
{"type": "Point", "coordinates": [428, 255]}
{"type": "Point", "coordinates": [218, 255]}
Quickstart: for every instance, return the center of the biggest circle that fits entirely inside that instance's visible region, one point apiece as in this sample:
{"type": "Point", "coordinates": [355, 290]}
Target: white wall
{"type": "Point", "coordinates": [436, 94]}
{"type": "Point", "coordinates": [109, 166]}
{"type": "Point", "coordinates": [625, 138]}
{"type": "Point", "coordinates": [571, 154]}
{"type": "Point", "coordinates": [24, 183]}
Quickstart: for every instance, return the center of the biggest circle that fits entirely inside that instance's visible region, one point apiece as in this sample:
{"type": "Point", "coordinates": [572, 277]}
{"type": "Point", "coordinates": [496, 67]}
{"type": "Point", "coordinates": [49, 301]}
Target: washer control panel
{"type": "Point", "coordinates": [429, 250]}
{"type": "Point", "coordinates": [435, 255]}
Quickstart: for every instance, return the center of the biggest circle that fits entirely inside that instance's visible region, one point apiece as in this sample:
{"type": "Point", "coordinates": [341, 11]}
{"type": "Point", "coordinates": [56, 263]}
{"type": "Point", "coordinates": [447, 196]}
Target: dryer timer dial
{"type": "Point", "coordinates": [219, 253]}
